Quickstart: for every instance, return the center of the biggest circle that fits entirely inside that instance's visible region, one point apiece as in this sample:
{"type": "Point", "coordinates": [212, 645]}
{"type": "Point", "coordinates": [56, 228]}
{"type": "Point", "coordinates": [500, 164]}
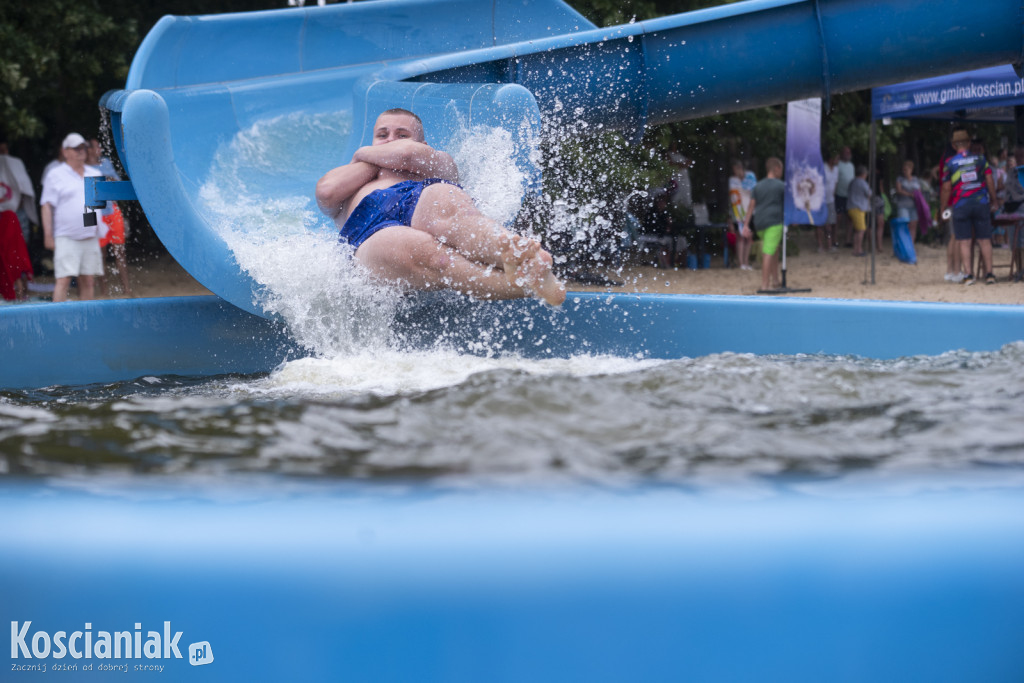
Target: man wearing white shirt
{"type": "Point", "coordinates": [76, 246]}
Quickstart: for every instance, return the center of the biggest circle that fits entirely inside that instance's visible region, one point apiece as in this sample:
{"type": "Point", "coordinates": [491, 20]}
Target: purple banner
{"type": "Point", "coordinates": [805, 170]}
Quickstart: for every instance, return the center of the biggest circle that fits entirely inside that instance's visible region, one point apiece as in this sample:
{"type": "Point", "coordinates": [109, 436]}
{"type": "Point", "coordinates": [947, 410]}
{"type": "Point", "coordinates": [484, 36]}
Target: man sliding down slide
{"type": "Point", "coordinates": [398, 205]}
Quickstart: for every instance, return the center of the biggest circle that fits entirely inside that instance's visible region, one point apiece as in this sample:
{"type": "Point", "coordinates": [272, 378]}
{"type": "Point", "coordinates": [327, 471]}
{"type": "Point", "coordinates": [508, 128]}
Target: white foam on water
{"type": "Point", "coordinates": [394, 373]}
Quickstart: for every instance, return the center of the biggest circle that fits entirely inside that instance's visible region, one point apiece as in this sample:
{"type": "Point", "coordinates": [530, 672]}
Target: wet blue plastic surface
{"type": "Point", "coordinates": [489, 586]}
{"type": "Point", "coordinates": [104, 341]}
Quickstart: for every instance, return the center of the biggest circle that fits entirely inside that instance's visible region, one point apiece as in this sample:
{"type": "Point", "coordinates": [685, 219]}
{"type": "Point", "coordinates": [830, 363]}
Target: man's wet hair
{"type": "Point", "coordinates": [399, 110]}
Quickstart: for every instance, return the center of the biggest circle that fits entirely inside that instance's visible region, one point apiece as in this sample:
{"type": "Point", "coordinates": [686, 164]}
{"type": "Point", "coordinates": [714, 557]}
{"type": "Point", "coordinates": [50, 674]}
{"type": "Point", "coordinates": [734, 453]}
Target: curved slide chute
{"type": "Point", "coordinates": [199, 82]}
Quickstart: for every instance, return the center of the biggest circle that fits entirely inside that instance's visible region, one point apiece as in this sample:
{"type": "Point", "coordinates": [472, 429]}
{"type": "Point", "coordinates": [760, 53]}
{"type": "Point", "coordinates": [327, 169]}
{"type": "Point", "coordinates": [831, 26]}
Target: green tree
{"type": "Point", "coordinates": [56, 56]}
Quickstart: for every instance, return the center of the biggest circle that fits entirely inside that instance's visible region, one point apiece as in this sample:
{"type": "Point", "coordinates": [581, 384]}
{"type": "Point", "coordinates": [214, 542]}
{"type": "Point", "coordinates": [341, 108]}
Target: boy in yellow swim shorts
{"type": "Point", "coordinates": [858, 207]}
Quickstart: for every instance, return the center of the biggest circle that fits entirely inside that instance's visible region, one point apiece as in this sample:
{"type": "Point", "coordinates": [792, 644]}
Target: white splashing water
{"type": "Point", "coordinates": [259, 197]}
{"type": "Point", "coordinates": [487, 171]}
{"type": "Point", "coordinates": [392, 373]}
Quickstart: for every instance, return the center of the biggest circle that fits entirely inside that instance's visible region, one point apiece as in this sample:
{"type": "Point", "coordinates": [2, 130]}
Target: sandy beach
{"type": "Point", "coordinates": [833, 275]}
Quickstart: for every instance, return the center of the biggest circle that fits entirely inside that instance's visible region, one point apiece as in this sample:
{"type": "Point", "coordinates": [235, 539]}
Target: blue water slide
{"type": "Point", "coordinates": [197, 83]}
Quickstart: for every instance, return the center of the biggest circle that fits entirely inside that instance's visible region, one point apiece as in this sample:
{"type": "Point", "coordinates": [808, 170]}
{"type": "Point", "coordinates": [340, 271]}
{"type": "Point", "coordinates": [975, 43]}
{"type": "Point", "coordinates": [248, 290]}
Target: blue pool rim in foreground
{"type": "Point", "coordinates": [646, 585]}
{"type": "Point", "coordinates": [114, 340]}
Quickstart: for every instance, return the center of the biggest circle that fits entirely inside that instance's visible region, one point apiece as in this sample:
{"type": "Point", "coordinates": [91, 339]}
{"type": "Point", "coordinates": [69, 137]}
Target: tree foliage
{"type": "Point", "coordinates": [56, 56]}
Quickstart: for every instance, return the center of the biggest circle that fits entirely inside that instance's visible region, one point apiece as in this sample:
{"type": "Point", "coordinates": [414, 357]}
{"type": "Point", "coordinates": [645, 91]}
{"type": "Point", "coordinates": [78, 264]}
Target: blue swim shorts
{"type": "Point", "coordinates": [972, 220]}
{"type": "Point", "coordinates": [381, 209]}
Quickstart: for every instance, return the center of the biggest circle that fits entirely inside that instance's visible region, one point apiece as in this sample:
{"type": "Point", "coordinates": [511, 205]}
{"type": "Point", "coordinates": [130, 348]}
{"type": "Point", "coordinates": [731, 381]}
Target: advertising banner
{"type": "Point", "coordinates": [805, 170]}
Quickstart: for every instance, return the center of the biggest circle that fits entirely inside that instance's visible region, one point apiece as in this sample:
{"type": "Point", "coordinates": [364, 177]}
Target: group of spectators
{"type": "Point", "coordinates": [957, 202]}
{"type": "Point", "coordinates": [77, 238]}
{"type": "Point", "coordinates": [967, 200]}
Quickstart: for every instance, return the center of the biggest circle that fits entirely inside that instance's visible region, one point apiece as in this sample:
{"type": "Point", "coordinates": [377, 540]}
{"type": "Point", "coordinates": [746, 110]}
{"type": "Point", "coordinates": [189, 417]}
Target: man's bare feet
{"type": "Point", "coordinates": [513, 255]}
{"type": "Point", "coordinates": [527, 265]}
{"type": "Point", "coordinates": [541, 280]}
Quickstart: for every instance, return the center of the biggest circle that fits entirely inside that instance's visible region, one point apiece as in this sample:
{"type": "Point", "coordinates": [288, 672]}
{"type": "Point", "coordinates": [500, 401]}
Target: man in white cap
{"type": "Point", "coordinates": [76, 246]}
